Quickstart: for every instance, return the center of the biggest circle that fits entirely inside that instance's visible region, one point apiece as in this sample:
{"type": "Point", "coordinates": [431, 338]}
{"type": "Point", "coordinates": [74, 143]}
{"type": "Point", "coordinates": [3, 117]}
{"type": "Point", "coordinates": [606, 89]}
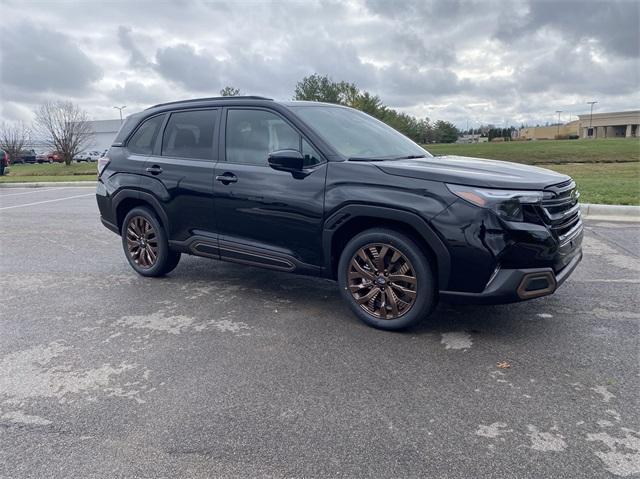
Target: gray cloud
{"type": "Point", "coordinates": [183, 64]}
{"type": "Point", "coordinates": [136, 58]}
{"type": "Point", "coordinates": [36, 59]}
{"type": "Point", "coordinates": [452, 60]}
{"type": "Point", "coordinates": [614, 25]}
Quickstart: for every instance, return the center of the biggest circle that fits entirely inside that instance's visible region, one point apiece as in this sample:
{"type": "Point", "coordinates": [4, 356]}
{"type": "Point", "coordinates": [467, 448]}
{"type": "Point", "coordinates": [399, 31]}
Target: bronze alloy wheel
{"type": "Point", "coordinates": [382, 281]}
{"type": "Point", "coordinates": [142, 242]}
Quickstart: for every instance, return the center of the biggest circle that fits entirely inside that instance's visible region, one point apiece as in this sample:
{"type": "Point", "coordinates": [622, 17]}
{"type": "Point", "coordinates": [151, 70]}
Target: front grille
{"type": "Point", "coordinates": [561, 211]}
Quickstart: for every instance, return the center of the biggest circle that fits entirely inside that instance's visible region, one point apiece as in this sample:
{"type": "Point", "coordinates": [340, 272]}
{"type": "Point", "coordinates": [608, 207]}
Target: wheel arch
{"type": "Point", "coordinates": [125, 200]}
{"type": "Point", "coordinates": [350, 220]}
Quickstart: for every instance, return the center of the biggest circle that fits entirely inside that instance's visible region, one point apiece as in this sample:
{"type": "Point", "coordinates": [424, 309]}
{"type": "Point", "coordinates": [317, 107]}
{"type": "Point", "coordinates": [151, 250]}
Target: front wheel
{"type": "Point", "coordinates": [386, 279]}
{"type": "Point", "coordinates": [145, 244]}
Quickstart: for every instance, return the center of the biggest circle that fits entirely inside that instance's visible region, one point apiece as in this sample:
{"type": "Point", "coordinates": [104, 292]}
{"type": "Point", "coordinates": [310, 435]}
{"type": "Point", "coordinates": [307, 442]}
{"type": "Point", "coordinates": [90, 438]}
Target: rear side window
{"type": "Point", "coordinates": [189, 134]}
{"type": "Point", "coordinates": [252, 134]}
{"type": "Point", "coordinates": [144, 138]}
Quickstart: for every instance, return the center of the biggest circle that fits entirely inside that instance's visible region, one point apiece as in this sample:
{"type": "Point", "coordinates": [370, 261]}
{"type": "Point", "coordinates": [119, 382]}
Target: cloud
{"type": "Point", "coordinates": [183, 64]}
{"type": "Point", "coordinates": [614, 25]}
{"type": "Point", "coordinates": [137, 93]}
{"type": "Point", "coordinates": [36, 59]}
{"type": "Point", "coordinates": [448, 59]}
{"type": "Point", "coordinates": [136, 58]}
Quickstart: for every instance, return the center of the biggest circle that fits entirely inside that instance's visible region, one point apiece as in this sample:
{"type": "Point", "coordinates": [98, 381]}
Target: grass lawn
{"type": "Point", "coordinates": [50, 172]}
{"type": "Point", "coordinates": [605, 183]}
{"type": "Point", "coordinates": [547, 151]}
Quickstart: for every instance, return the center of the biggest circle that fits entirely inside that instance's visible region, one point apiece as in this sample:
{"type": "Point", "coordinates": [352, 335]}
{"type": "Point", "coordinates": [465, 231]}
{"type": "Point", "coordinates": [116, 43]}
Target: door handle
{"type": "Point", "coordinates": [227, 178]}
{"type": "Point", "coordinates": [154, 170]}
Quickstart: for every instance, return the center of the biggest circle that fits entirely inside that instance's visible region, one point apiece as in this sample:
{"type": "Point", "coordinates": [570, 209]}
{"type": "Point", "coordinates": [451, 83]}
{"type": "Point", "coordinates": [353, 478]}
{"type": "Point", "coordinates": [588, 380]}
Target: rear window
{"type": "Point", "coordinates": [144, 138]}
{"type": "Point", "coordinates": [125, 129]}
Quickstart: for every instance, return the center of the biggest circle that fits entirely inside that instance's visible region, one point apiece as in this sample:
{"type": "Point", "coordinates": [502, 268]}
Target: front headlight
{"type": "Point", "coordinates": [508, 204]}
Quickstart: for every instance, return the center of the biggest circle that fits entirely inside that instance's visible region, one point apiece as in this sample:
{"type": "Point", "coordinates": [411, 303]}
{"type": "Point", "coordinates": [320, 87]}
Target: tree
{"type": "Point", "coordinates": [65, 128]}
{"type": "Point", "coordinates": [229, 91]}
{"type": "Point", "coordinates": [322, 88]}
{"type": "Point", "coordinates": [317, 88]}
{"type": "Point", "coordinates": [13, 138]}
{"type": "Point", "coordinates": [445, 132]}
{"type": "Point", "coordinates": [371, 104]}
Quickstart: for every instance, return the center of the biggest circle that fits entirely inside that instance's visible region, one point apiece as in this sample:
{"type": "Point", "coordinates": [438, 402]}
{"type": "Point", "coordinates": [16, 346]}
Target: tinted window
{"type": "Point", "coordinates": [144, 138]}
{"type": "Point", "coordinates": [252, 134]}
{"type": "Point", "coordinates": [356, 134]}
{"type": "Point", "coordinates": [189, 134]}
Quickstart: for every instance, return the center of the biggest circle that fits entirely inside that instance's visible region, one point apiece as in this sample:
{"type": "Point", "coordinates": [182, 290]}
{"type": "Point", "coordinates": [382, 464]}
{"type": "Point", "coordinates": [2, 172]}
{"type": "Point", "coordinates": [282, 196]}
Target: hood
{"type": "Point", "coordinates": [474, 172]}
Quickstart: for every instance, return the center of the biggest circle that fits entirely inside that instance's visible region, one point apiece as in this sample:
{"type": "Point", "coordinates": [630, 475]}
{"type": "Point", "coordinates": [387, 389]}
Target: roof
{"type": "Point", "coordinates": [211, 99]}
{"type": "Point", "coordinates": [611, 113]}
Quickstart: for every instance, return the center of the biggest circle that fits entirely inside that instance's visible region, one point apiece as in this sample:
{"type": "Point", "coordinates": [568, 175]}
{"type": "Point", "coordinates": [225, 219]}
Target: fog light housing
{"type": "Point", "coordinates": [537, 284]}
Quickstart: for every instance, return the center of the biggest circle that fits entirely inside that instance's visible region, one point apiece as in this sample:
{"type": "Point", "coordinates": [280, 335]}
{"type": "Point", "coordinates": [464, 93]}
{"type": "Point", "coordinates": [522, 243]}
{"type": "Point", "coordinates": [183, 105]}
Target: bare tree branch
{"type": "Point", "coordinates": [13, 138]}
{"type": "Point", "coordinates": [65, 127]}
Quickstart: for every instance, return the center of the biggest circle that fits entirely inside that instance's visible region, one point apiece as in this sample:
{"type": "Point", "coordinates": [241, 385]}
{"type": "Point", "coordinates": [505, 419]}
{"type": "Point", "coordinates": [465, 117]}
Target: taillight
{"type": "Point", "coordinates": [102, 164]}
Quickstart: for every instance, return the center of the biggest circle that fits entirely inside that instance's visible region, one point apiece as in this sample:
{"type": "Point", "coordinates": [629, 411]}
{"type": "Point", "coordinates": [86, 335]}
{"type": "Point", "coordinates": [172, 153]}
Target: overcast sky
{"type": "Point", "coordinates": [460, 61]}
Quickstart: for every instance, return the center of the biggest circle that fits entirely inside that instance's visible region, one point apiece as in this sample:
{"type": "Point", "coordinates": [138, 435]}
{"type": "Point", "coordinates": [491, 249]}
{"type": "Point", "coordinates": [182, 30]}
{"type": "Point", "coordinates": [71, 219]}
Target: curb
{"type": "Point", "coordinates": [48, 184]}
{"type": "Point", "coordinates": [589, 211]}
{"type": "Point", "coordinates": [624, 213]}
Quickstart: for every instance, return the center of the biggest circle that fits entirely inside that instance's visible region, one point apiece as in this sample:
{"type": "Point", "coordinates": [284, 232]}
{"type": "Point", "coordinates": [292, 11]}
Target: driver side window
{"type": "Point", "coordinates": [252, 134]}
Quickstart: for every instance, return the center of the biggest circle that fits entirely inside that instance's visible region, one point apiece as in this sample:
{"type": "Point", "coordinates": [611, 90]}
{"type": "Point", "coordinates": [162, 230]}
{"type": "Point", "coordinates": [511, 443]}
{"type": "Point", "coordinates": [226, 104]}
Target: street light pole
{"type": "Point", "coordinates": [591, 115]}
{"type": "Point", "coordinates": [558, 112]}
{"type": "Point", "coordinates": [120, 108]}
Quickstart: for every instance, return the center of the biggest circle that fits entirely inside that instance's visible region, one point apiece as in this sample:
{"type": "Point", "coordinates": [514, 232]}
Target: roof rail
{"type": "Point", "coordinates": [239, 97]}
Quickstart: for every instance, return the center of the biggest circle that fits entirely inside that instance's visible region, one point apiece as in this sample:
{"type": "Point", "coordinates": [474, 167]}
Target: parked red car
{"type": "Point", "coordinates": [54, 156]}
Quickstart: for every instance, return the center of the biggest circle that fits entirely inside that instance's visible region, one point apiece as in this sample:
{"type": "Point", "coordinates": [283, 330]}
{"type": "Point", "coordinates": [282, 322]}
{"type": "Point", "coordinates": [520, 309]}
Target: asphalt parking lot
{"type": "Point", "coordinates": [221, 370]}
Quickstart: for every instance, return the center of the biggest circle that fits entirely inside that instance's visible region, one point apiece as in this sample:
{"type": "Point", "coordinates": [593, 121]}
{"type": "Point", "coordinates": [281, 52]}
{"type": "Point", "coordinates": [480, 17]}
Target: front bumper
{"type": "Point", "coordinates": [513, 285]}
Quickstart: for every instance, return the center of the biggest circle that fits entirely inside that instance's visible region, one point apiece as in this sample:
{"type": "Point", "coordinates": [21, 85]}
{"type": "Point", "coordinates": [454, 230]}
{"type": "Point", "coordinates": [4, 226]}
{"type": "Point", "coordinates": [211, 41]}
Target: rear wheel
{"type": "Point", "coordinates": [386, 279]}
{"type": "Point", "coordinates": [145, 244]}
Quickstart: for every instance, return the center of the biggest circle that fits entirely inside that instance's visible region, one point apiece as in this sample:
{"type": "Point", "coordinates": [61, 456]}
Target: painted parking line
{"type": "Point", "coordinates": [46, 201]}
{"type": "Point", "coordinates": [40, 190]}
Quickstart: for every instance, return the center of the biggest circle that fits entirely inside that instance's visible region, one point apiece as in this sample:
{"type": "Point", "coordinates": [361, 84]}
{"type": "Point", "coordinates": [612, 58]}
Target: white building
{"type": "Point", "coordinates": [104, 133]}
{"type": "Point", "coordinates": [475, 138]}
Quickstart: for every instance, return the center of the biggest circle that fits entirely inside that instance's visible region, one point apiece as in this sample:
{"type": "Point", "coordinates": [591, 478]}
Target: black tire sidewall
{"type": "Point", "coordinates": [160, 268]}
{"type": "Point", "coordinates": [426, 294]}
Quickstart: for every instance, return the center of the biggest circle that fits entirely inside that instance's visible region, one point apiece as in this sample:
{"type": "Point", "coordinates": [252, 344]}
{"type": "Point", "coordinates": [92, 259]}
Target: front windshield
{"type": "Point", "coordinates": [355, 134]}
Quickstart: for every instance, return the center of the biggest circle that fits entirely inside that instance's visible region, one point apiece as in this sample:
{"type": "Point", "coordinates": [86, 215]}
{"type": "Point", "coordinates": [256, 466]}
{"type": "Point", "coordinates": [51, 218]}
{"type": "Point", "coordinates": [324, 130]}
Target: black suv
{"type": "Point", "coordinates": [325, 190]}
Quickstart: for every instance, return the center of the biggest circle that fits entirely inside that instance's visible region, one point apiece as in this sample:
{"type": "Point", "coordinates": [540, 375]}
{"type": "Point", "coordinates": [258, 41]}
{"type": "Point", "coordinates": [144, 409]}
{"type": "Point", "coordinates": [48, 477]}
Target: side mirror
{"type": "Point", "coordinates": [286, 160]}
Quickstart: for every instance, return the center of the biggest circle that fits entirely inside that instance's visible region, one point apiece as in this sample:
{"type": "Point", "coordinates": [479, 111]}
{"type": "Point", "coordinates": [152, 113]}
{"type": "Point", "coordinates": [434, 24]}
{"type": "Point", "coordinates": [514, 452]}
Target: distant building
{"type": "Point", "coordinates": [475, 138]}
{"type": "Point", "coordinates": [618, 124]}
{"type": "Point", "coordinates": [104, 133]}
{"type": "Point", "coordinates": [549, 132]}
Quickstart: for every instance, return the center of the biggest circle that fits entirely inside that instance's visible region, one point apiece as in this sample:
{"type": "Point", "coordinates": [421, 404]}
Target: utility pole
{"type": "Point", "coordinates": [120, 108]}
{"type": "Point", "coordinates": [558, 112]}
{"type": "Point", "coordinates": [591, 115]}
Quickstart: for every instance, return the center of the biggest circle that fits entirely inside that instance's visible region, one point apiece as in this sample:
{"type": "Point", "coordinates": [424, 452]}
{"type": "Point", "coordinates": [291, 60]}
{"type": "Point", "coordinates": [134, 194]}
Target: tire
{"type": "Point", "coordinates": [409, 285]}
{"type": "Point", "coordinates": [145, 244]}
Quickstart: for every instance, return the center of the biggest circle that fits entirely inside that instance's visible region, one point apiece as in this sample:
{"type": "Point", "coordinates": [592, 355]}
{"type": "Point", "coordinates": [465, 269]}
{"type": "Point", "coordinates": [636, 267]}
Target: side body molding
{"type": "Point", "coordinates": [350, 212]}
